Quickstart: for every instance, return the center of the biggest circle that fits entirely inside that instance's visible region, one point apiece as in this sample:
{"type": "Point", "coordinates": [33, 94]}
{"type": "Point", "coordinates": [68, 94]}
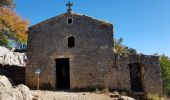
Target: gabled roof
{"type": "Point", "coordinates": [73, 14]}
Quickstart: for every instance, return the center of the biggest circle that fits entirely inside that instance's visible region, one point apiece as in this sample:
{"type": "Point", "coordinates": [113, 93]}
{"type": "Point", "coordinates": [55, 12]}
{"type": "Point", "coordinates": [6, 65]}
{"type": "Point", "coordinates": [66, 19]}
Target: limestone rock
{"type": "Point", "coordinates": [126, 98]}
{"type": "Point", "coordinates": [25, 91]}
{"type": "Point", "coordinates": [4, 82]}
{"type": "Point", "coordinates": [7, 92]}
{"type": "Point", "coordinates": [8, 57]}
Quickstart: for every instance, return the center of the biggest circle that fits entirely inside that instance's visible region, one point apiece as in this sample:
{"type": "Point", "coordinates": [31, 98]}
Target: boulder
{"type": "Point", "coordinates": [8, 92]}
{"type": "Point", "coordinates": [25, 91]}
{"type": "Point", "coordinates": [126, 98]}
{"type": "Point", "coordinates": [4, 82]}
{"type": "Point", "coordinates": [8, 57]}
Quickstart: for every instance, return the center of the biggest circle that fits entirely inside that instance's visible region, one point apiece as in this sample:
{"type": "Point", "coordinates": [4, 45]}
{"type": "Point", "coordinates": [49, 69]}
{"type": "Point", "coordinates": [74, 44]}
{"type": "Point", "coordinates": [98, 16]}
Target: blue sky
{"type": "Point", "coordinates": [144, 24]}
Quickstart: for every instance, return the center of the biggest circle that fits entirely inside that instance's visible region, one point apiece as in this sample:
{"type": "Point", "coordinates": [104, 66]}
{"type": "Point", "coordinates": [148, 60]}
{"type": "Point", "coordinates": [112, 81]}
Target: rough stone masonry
{"type": "Point", "coordinates": [75, 51]}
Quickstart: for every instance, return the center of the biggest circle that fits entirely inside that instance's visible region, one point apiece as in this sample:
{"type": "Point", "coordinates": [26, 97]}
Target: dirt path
{"type": "Point", "coordinates": [55, 95]}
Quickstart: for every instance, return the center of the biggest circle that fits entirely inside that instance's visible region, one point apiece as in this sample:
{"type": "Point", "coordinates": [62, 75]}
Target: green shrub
{"type": "Point", "coordinates": [105, 90]}
{"type": "Point", "coordinates": [97, 90]}
{"type": "Point", "coordinates": [165, 74]}
{"type": "Point", "coordinates": [152, 96]}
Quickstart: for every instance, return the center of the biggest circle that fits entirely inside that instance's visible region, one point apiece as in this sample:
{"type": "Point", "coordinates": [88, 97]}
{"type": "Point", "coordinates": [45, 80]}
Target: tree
{"type": "Point", "coordinates": [131, 50]}
{"type": "Point", "coordinates": [12, 26]}
{"type": "Point", "coordinates": [121, 49]}
{"type": "Point", "coordinates": [118, 47]}
{"type": "Point", "coordinates": [4, 41]}
{"type": "Point", "coordinates": [165, 73]}
{"type": "Point", "coordinates": [7, 3]}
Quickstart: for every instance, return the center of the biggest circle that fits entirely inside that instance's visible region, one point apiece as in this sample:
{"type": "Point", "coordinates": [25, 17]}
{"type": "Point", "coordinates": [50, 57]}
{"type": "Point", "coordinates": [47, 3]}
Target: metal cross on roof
{"type": "Point", "coordinates": [69, 6]}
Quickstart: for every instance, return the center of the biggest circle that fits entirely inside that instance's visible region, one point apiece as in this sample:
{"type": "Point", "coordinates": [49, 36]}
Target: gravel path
{"type": "Point", "coordinates": [61, 95]}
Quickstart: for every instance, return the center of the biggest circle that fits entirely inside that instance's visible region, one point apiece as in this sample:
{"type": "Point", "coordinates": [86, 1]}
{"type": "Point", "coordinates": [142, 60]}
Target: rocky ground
{"type": "Point", "coordinates": [61, 95]}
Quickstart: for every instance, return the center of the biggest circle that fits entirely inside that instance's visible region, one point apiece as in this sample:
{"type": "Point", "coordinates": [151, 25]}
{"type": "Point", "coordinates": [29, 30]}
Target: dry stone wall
{"type": "Point", "coordinates": [150, 72]}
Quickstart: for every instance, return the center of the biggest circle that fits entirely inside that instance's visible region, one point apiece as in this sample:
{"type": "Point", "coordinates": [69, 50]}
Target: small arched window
{"type": "Point", "coordinates": [71, 42]}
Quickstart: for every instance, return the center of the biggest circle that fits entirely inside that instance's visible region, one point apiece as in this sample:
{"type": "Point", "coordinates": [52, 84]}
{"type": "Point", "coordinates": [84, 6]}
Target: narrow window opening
{"type": "Point", "coordinates": [70, 21]}
{"type": "Point", "coordinates": [71, 42]}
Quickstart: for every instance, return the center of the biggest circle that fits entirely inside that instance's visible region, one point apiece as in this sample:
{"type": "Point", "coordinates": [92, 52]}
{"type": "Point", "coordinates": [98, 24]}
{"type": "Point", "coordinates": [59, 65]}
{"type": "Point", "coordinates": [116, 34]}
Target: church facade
{"type": "Point", "coordinates": [76, 51]}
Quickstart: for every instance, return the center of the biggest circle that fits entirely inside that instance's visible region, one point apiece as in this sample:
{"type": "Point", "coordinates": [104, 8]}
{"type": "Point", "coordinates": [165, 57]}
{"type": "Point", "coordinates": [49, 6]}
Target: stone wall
{"type": "Point", "coordinates": [150, 70]}
{"type": "Point", "coordinates": [91, 59]}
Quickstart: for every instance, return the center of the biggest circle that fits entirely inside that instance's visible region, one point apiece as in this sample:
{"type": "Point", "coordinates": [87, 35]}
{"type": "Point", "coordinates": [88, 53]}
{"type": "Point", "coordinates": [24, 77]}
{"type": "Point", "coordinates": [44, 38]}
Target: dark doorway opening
{"type": "Point", "coordinates": [62, 73]}
{"type": "Point", "coordinates": [135, 76]}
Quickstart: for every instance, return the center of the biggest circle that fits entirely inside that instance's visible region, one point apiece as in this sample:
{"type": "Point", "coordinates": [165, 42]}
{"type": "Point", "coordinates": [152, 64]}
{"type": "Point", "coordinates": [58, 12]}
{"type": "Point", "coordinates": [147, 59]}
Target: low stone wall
{"type": "Point", "coordinates": [150, 72]}
{"type": "Point", "coordinates": [16, 73]}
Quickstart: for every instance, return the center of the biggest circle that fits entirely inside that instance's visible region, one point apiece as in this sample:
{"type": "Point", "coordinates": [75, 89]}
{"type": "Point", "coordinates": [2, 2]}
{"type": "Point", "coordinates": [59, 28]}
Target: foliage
{"type": "Point", "coordinates": [121, 49]}
{"type": "Point", "coordinates": [105, 90]}
{"type": "Point", "coordinates": [118, 47]}
{"type": "Point", "coordinates": [7, 3]}
{"type": "Point", "coordinates": [165, 73]}
{"type": "Point", "coordinates": [4, 41]}
{"type": "Point", "coordinates": [97, 91]}
{"type": "Point", "coordinates": [131, 50]}
{"type": "Point", "coordinates": [12, 26]}
{"type": "Point", "coordinates": [102, 90]}
{"type": "Point", "coordinates": [152, 96]}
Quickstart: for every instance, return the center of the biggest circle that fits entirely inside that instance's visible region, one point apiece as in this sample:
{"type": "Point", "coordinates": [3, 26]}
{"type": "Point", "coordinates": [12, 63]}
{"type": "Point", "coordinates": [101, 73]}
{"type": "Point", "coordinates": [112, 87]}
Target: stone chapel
{"type": "Point", "coordinates": [76, 51]}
